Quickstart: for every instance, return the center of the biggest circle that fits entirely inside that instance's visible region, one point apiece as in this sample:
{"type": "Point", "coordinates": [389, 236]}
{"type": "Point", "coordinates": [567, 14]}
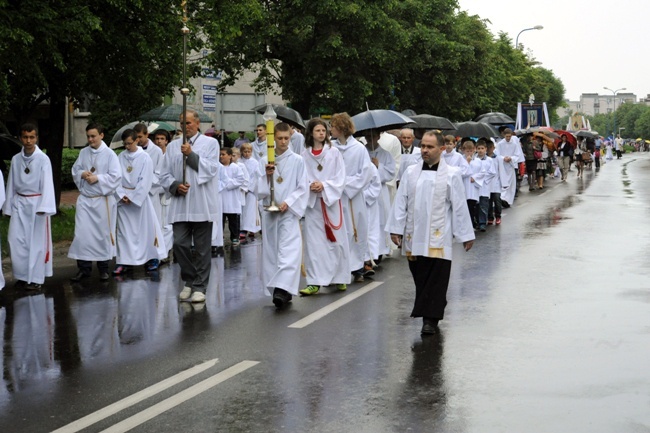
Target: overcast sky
{"type": "Point", "coordinates": [587, 44]}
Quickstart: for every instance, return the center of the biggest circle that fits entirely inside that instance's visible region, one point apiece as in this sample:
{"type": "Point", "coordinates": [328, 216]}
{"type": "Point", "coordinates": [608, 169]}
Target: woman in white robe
{"type": "Point", "coordinates": [139, 237]}
{"type": "Point", "coordinates": [325, 237]}
{"type": "Point", "coordinates": [30, 202]}
{"type": "Point", "coordinates": [358, 174]}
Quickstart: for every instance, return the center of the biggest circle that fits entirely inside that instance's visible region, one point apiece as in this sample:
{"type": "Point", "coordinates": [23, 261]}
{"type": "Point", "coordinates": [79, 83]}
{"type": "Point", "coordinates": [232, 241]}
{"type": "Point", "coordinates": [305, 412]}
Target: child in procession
{"type": "Point", "coordinates": [282, 247]}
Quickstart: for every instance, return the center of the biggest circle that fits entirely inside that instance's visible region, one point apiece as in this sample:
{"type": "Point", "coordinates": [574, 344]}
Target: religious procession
{"type": "Point", "coordinates": [329, 201]}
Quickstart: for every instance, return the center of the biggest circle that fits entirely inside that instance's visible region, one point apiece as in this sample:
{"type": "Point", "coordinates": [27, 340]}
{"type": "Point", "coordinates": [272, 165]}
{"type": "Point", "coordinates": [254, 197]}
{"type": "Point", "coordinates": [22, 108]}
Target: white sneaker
{"type": "Point", "coordinates": [198, 297]}
{"type": "Point", "coordinates": [185, 293]}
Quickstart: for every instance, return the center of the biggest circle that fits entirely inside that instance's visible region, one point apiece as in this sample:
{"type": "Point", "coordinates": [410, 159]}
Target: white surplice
{"type": "Point", "coordinates": [472, 189]}
{"type": "Point", "coordinates": [407, 160]}
{"type": "Point", "coordinates": [456, 159]}
{"type": "Point", "coordinates": [387, 173]}
{"type": "Point", "coordinates": [139, 236]}
{"type": "Point", "coordinates": [200, 203]}
{"type": "Point", "coordinates": [156, 192]}
{"type": "Point", "coordinates": [372, 197]}
{"type": "Point", "coordinates": [282, 241]}
{"type": "Point", "coordinates": [259, 149]}
{"type": "Point", "coordinates": [326, 261]}
{"type": "Point", "coordinates": [495, 183]}
{"type": "Point", "coordinates": [415, 210]}
{"type": "Point", "coordinates": [297, 142]}
{"type": "Point", "coordinates": [96, 211]}
{"type": "Point", "coordinates": [230, 185]}
{"type": "Point", "coordinates": [250, 218]}
{"type": "Point", "coordinates": [30, 192]}
{"type": "Point", "coordinates": [508, 176]}
{"type": "Point", "coordinates": [2, 201]}
{"type": "Point", "coordinates": [358, 173]}
{"type": "Point", "coordinates": [485, 175]}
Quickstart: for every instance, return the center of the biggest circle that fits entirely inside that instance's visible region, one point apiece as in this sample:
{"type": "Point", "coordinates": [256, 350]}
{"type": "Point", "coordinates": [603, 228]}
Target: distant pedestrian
{"type": "Point", "coordinates": [428, 214]}
{"type": "Point", "coordinates": [494, 208]}
{"type": "Point", "coordinates": [241, 140]}
{"type": "Point", "coordinates": [250, 220]}
{"type": "Point", "coordinates": [97, 174]}
{"type": "Point", "coordinates": [618, 143]}
{"type": "Point", "coordinates": [30, 202]}
{"type": "Point", "coordinates": [564, 155]}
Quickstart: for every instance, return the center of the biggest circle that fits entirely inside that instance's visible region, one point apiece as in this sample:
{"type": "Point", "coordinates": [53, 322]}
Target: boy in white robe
{"type": "Point", "coordinates": [2, 201]}
{"type": "Point", "coordinates": [156, 155]}
{"type": "Point", "coordinates": [259, 145]}
{"type": "Point", "coordinates": [371, 196]}
{"type": "Point", "coordinates": [494, 208]}
{"type": "Point", "coordinates": [282, 247]}
{"type": "Point", "coordinates": [251, 222]}
{"type": "Point", "coordinates": [510, 149]}
{"type": "Point", "coordinates": [386, 169]}
{"type": "Point", "coordinates": [139, 237]}
{"type": "Point", "coordinates": [161, 140]}
{"type": "Point", "coordinates": [194, 190]}
{"type": "Point", "coordinates": [243, 190]}
{"type": "Point", "coordinates": [484, 179]}
{"type": "Point", "coordinates": [97, 174]}
{"type": "Point", "coordinates": [325, 236]}
{"type": "Point", "coordinates": [472, 188]}
{"type": "Point", "coordinates": [231, 182]}
{"type": "Point", "coordinates": [30, 202]}
{"type": "Point", "coordinates": [453, 158]}
{"type": "Point", "coordinates": [358, 174]}
{"type": "Point", "coordinates": [428, 214]}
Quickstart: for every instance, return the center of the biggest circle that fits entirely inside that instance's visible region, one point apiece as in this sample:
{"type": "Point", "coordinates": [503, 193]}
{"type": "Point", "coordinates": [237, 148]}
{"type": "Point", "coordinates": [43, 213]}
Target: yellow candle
{"type": "Point", "coordinates": [270, 141]}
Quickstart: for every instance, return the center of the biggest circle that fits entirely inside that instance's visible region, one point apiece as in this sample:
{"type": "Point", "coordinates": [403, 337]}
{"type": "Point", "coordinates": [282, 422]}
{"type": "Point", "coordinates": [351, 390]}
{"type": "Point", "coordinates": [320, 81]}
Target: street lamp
{"type": "Point", "coordinates": [614, 92]}
{"type": "Point", "coordinates": [620, 129]}
{"type": "Point", "coordinates": [525, 30]}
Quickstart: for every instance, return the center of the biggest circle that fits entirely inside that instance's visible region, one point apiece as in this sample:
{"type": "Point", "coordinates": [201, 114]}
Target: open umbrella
{"type": "Point", "coordinates": [116, 142]}
{"type": "Point", "coordinates": [495, 118]}
{"type": "Point", "coordinates": [286, 114]}
{"type": "Point", "coordinates": [569, 137]}
{"type": "Point", "coordinates": [548, 132]}
{"type": "Point", "coordinates": [427, 121]}
{"type": "Point", "coordinates": [9, 146]}
{"type": "Point", "coordinates": [379, 120]}
{"type": "Point", "coordinates": [170, 113]}
{"type": "Point", "coordinates": [588, 134]}
{"type": "Point", "coordinates": [476, 129]}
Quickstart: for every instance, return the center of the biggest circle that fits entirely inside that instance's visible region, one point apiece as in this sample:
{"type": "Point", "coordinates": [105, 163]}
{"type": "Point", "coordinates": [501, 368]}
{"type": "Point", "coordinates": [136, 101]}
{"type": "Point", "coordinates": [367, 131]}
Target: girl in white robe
{"type": "Point", "coordinates": [30, 203]}
{"type": "Point", "coordinates": [282, 242]}
{"type": "Point", "coordinates": [325, 237]}
{"type": "Point", "coordinates": [358, 174]}
{"type": "Point", "coordinates": [139, 237]}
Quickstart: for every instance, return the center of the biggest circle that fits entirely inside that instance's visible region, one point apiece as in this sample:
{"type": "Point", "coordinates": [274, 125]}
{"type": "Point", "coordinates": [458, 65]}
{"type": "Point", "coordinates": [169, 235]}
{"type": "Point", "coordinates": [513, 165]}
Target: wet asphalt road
{"type": "Point", "coordinates": [547, 330]}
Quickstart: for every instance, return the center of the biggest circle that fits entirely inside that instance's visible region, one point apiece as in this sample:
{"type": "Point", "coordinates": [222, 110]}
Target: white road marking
{"type": "Point", "coordinates": [181, 397]}
{"type": "Point", "coordinates": [133, 399]}
{"type": "Point", "coordinates": [334, 305]}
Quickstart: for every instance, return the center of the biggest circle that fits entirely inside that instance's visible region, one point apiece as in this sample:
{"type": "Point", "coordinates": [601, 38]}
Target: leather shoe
{"type": "Point", "coordinates": [429, 327]}
{"type": "Point", "coordinates": [281, 298]}
{"type": "Point", "coordinates": [81, 275]}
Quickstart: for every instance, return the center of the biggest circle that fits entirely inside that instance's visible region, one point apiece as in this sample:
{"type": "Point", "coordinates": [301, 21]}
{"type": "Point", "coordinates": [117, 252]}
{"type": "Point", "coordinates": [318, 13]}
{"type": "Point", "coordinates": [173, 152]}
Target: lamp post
{"type": "Point", "coordinates": [620, 129]}
{"type": "Point", "coordinates": [614, 92]}
{"type": "Point", "coordinates": [525, 30]}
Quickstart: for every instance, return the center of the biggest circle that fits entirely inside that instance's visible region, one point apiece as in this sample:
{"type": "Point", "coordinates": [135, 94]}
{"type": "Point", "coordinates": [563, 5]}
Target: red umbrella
{"type": "Point", "coordinates": [569, 137]}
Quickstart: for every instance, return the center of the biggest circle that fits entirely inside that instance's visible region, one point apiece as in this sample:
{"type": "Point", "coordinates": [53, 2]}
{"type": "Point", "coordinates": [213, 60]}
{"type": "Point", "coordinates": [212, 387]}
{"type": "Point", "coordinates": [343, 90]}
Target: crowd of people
{"type": "Point", "coordinates": [343, 204]}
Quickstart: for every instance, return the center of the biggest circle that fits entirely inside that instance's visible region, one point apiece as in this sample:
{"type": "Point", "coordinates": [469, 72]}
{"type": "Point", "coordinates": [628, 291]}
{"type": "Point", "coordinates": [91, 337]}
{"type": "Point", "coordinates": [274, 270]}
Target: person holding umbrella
{"type": "Point", "coordinates": [358, 174]}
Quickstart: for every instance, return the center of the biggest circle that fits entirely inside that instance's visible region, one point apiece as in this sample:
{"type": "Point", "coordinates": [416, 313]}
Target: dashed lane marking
{"type": "Point", "coordinates": [319, 314]}
{"type": "Point", "coordinates": [133, 399]}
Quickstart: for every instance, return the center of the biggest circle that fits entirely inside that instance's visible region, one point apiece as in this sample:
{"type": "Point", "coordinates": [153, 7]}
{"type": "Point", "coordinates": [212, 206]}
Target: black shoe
{"type": "Point", "coordinates": [81, 275]}
{"type": "Point", "coordinates": [215, 252]}
{"type": "Point", "coordinates": [33, 286]}
{"type": "Point", "coordinates": [103, 276]}
{"type": "Point", "coordinates": [220, 251]}
{"type": "Point", "coordinates": [429, 327]}
{"type": "Point", "coordinates": [281, 298]}
{"type": "Point", "coordinates": [20, 284]}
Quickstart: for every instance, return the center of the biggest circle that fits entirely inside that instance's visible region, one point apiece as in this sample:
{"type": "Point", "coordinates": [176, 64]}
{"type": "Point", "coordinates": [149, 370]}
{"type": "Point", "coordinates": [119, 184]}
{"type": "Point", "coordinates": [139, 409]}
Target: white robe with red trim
{"type": "Point", "coordinates": [326, 260]}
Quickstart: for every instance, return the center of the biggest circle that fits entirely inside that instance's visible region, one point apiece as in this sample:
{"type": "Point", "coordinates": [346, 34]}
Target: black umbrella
{"type": "Point", "coordinates": [495, 118]}
{"type": "Point", "coordinates": [427, 121]}
{"type": "Point", "coordinates": [379, 120]}
{"type": "Point", "coordinates": [9, 146]}
{"type": "Point", "coordinates": [587, 134]}
{"type": "Point", "coordinates": [409, 113]}
{"type": "Point", "coordinates": [170, 113]}
{"type": "Point", "coordinates": [286, 114]}
{"type": "Point", "coordinates": [476, 129]}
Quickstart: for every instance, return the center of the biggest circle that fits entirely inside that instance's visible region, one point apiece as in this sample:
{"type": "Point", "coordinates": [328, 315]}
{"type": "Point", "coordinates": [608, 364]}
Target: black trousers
{"type": "Point", "coordinates": [233, 224]}
{"type": "Point", "coordinates": [86, 266]}
{"type": "Point", "coordinates": [195, 271]}
{"type": "Point", "coordinates": [431, 278]}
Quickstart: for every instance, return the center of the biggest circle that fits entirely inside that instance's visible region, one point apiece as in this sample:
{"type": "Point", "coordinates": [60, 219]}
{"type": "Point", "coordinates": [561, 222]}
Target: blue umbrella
{"type": "Point", "coordinates": [379, 120]}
